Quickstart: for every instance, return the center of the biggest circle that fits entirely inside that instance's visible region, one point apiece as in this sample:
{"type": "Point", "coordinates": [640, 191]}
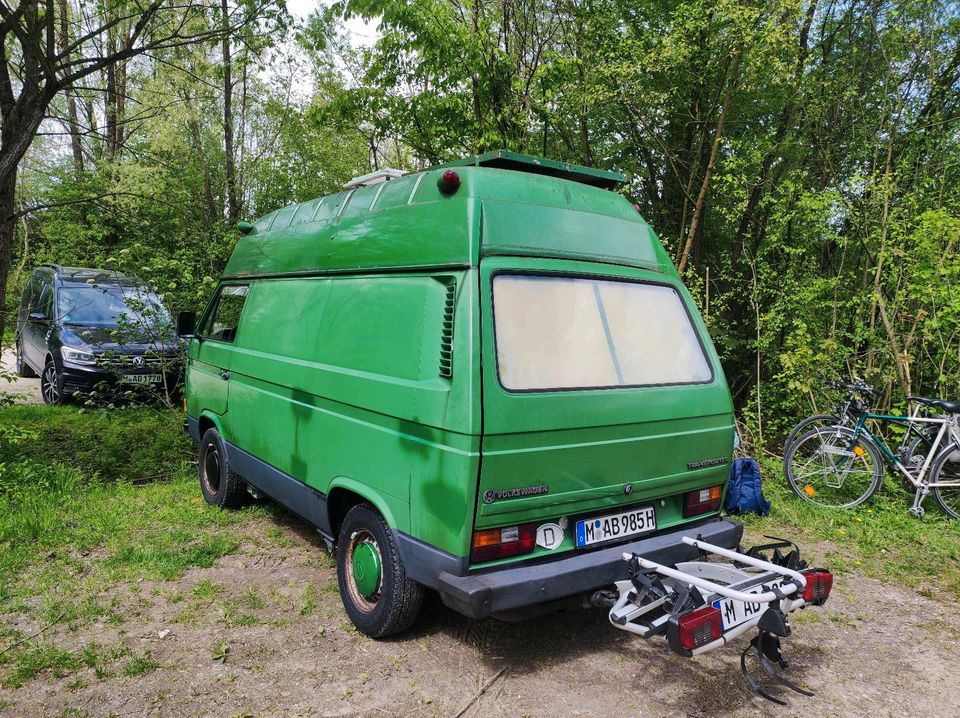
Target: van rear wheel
{"type": "Point", "coordinates": [220, 484]}
{"type": "Point", "coordinates": [376, 592]}
{"type": "Point", "coordinates": [23, 369]}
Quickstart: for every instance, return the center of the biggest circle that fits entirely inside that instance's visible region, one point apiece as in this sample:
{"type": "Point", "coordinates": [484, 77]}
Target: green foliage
{"type": "Point", "coordinates": [827, 226]}
{"type": "Point", "coordinates": [125, 443]}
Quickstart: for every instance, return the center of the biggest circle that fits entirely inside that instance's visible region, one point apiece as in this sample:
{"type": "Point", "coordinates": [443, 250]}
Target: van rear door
{"type": "Point", "coordinates": [601, 391]}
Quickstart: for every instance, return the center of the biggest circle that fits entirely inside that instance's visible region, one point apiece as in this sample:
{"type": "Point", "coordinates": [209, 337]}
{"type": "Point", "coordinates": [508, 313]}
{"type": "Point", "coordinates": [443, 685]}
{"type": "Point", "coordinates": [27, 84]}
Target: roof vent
{"type": "Point", "coordinates": [384, 175]}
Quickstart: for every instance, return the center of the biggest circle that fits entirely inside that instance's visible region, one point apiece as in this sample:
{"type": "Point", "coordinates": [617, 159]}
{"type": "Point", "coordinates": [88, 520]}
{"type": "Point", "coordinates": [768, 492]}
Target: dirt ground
{"type": "Point", "coordinates": [263, 632]}
{"type": "Point", "coordinates": [26, 391]}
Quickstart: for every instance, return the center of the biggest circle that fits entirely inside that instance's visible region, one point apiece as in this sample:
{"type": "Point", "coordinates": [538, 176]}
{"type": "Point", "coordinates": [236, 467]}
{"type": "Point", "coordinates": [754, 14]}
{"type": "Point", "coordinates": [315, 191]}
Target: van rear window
{"type": "Point", "coordinates": [578, 332]}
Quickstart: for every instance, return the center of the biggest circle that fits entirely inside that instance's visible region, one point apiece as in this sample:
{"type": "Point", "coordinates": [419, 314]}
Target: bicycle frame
{"type": "Point", "coordinates": [948, 425]}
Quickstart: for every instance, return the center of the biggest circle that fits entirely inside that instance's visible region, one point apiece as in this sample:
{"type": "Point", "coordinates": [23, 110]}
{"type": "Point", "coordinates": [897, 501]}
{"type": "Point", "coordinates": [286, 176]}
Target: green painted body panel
{"type": "Point", "coordinates": [337, 376]}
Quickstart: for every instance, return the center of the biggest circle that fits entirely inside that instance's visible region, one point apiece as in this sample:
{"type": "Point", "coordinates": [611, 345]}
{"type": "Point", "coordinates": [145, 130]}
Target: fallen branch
{"type": "Point", "coordinates": [27, 638]}
{"type": "Point", "coordinates": [483, 689]}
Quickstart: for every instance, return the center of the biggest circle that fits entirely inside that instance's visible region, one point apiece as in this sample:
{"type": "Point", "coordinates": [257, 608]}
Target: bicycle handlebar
{"type": "Point", "coordinates": [858, 386]}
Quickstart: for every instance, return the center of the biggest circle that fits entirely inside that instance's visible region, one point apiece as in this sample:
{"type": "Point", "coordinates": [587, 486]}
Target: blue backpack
{"type": "Point", "coordinates": [744, 493]}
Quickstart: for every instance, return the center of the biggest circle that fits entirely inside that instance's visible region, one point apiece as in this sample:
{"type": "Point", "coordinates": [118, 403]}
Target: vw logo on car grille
{"type": "Point", "coordinates": [137, 361]}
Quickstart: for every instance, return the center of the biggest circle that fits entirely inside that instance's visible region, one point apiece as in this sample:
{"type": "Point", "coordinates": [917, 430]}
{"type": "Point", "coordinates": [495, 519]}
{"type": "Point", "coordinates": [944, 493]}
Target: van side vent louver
{"type": "Point", "coordinates": [446, 332]}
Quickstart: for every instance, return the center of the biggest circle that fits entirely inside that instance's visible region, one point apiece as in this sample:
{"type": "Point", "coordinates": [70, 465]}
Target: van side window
{"type": "Point", "coordinates": [222, 323]}
{"type": "Point", "coordinates": [45, 302]}
{"type": "Point", "coordinates": [29, 294]}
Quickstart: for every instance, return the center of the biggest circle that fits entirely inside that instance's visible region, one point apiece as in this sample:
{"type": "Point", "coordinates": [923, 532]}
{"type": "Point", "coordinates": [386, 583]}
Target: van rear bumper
{"type": "Point", "coordinates": [505, 589]}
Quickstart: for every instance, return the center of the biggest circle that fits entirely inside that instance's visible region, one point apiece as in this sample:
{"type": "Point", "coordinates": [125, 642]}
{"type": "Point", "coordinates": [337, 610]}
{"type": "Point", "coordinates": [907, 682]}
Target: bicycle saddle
{"type": "Point", "coordinates": [952, 407]}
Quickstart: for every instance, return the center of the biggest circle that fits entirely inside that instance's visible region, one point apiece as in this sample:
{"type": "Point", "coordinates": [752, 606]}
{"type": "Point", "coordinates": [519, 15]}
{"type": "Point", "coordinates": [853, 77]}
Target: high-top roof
{"type": "Point", "coordinates": [507, 204]}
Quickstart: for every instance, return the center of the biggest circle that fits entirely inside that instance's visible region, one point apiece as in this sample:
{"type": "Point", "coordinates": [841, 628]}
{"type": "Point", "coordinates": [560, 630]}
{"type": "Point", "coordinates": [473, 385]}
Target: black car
{"type": "Point", "coordinates": [94, 330]}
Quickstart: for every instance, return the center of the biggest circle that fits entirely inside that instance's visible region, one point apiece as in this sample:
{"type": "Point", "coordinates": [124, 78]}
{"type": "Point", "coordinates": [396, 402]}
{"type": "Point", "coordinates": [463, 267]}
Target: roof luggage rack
{"type": "Point", "coordinates": [378, 177]}
{"type": "Point", "coordinates": [506, 160]}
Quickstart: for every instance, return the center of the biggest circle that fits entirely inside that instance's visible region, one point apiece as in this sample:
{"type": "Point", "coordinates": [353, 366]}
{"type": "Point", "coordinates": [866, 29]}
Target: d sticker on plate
{"type": "Point", "coordinates": [549, 536]}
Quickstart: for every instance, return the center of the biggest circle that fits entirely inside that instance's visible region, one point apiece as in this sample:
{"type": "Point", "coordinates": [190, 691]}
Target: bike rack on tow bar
{"type": "Point", "coordinates": [702, 605]}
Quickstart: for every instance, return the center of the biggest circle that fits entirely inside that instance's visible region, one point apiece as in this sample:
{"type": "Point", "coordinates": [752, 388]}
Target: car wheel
{"type": "Point", "coordinates": [376, 592]}
{"type": "Point", "coordinates": [51, 384]}
{"type": "Point", "coordinates": [220, 484]}
{"type": "Point", "coordinates": [24, 369]}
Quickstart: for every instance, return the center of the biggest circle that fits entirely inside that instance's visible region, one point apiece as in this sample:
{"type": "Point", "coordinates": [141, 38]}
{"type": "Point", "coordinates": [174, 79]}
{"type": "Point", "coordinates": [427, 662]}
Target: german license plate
{"type": "Point", "coordinates": [733, 613]}
{"type": "Point", "coordinates": [142, 379]}
{"type": "Point", "coordinates": [608, 528]}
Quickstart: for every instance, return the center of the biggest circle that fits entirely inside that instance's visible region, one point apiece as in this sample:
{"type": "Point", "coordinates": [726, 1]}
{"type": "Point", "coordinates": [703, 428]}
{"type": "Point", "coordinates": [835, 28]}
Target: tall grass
{"type": "Point", "coordinates": [880, 538]}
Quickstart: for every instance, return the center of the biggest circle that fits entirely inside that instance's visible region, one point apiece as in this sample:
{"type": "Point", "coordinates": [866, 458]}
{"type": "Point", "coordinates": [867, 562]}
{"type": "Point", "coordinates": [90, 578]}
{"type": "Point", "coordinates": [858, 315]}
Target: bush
{"type": "Point", "coordinates": [128, 443]}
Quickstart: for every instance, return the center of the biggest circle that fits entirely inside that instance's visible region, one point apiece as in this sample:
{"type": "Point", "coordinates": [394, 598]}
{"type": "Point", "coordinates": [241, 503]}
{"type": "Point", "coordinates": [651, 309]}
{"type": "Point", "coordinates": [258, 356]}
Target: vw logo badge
{"type": "Point", "coordinates": [138, 361]}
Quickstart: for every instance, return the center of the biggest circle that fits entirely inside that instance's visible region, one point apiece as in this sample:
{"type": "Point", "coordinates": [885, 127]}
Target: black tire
{"type": "Point", "coordinates": [806, 424]}
{"type": "Point", "coordinates": [395, 603]}
{"type": "Point", "coordinates": [51, 384]}
{"type": "Point", "coordinates": [833, 467]}
{"type": "Point", "coordinates": [23, 369]}
{"type": "Point", "coordinates": [946, 467]}
{"type": "Point", "coordinates": [220, 484]}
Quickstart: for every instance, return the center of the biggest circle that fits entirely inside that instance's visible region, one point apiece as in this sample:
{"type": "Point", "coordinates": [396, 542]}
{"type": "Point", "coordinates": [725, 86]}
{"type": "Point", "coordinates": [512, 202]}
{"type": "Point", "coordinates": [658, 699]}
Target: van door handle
{"type": "Point", "coordinates": [224, 375]}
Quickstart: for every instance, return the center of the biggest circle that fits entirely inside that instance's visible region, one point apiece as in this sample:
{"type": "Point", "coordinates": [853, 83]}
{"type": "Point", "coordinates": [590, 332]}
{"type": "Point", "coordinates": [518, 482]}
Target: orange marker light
{"type": "Point", "coordinates": [490, 537]}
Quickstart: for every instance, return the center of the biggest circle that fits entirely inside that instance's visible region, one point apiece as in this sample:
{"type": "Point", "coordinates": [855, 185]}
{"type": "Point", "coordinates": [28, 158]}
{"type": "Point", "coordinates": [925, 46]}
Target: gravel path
{"type": "Point", "coordinates": [270, 638]}
{"type": "Point", "coordinates": [25, 391]}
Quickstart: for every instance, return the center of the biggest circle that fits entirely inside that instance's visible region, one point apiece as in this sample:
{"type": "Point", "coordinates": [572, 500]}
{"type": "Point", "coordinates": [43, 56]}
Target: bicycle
{"type": "Point", "coordinates": [858, 400]}
{"type": "Point", "coordinates": [841, 467]}
{"type": "Point", "coordinates": [857, 403]}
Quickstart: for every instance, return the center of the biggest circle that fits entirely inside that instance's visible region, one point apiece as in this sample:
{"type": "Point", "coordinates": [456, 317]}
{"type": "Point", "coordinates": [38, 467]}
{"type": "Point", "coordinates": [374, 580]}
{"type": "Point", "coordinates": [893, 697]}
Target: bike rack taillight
{"type": "Point", "coordinates": [819, 584]}
{"type": "Point", "coordinates": [700, 627]}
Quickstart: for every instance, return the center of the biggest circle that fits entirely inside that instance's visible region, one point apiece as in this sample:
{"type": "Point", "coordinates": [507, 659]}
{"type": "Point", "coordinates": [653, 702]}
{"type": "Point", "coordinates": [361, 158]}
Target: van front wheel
{"type": "Point", "coordinates": [221, 486]}
{"type": "Point", "coordinates": [379, 597]}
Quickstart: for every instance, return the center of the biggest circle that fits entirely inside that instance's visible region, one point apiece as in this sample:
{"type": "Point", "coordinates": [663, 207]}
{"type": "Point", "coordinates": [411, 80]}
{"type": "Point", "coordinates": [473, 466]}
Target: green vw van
{"type": "Point", "coordinates": [484, 379]}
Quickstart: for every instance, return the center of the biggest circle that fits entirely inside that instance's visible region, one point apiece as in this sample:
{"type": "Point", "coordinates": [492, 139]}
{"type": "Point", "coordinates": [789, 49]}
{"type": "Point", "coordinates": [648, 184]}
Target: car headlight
{"type": "Point", "coordinates": [76, 356]}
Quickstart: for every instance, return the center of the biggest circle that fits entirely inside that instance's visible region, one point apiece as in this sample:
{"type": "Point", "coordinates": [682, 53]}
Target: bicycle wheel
{"type": "Point", "coordinates": [807, 424]}
{"type": "Point", "coordinates": [946, 469]}
{"type": "Point", "coordinates": [834, 467]}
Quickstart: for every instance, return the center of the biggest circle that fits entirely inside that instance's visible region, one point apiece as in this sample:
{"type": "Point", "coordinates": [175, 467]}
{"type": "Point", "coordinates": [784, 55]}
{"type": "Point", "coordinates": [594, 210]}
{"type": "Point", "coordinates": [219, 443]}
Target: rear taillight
{"type": "Point", "coordinates": [819, 584]}
{"type": "Point", "coordinates": [699, 627]}
{"type": "Point", "coordinates": [491, 544]}
{"type": "Point", "coordinates": [701, 501]}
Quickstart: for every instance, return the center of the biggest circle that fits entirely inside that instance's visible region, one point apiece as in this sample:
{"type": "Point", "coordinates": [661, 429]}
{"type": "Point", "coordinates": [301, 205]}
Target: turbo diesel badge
{"type": "Point", "coordinates": [720, 460]}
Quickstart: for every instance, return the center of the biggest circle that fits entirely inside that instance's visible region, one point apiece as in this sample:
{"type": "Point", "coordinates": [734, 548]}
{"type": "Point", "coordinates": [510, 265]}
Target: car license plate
{"type": "Point", "coordinates": [607, 528]}
{"type": "Point", "coordinates": [142, 379]}
{"type": "Point", "coordinates": [733, 613]}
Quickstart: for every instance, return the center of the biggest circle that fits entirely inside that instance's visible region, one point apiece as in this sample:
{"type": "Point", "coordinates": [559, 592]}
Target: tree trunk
{"type": "Point", "coordinates": [72, 116]}
{"type": "Point", "coordinates": [756, 193]}
{"type": "Point", "coordinates": [110, 109]}
{"type": "Point", "coordinates": [194, 125]}
{"type": "Point", "coordinates": [233, 205]}
{"type": "Point", "coordinates": [97, 153]}
{"type": "Point", "coordinates": [8, 187]}
{"type": "Point", "coordinates": [705, 185]}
